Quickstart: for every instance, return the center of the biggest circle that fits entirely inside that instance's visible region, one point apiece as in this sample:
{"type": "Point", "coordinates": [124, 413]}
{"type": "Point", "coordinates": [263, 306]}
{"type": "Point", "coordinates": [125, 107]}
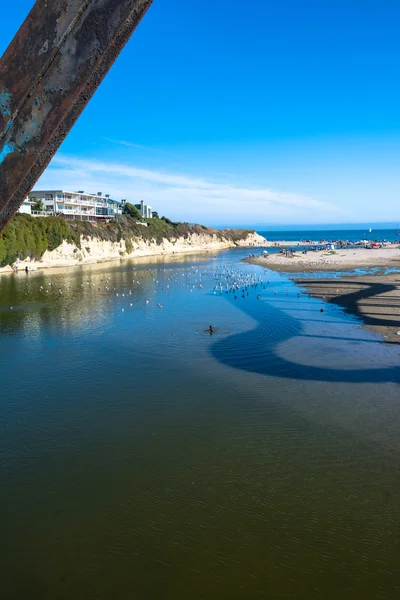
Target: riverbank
{"type": "Point", "coordinates": [91, 250]}
{"type": "Point", "coordinates": [375, 299]}
{"type": "Point", "coordinates": [330, 260]}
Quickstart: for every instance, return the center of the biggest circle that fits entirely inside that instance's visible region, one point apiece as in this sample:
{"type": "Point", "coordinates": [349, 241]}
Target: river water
{"type": "Point", "coordinates": [142, 457]}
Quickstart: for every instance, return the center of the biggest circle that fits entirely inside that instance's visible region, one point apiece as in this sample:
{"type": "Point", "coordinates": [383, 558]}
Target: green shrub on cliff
{"type": "Point", "coordinates": [131, 211]}
{"type": "Point", "coordinates": [128, 245]}
{"type": "Point", "coordinates": [27, 236]}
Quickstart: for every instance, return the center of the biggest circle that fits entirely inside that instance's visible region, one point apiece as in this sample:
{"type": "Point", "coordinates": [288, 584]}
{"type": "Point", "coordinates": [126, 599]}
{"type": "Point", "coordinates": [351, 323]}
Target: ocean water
{"type": "Point", "coordinates": [351, 235]}
{"type": "Point", "coordinates": [142, 457]}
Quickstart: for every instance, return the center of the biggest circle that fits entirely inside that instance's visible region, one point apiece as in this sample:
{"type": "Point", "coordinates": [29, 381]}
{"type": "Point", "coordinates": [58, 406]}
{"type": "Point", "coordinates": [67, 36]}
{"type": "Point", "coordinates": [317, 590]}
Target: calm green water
{"type": "Point", "coordinates": [142, 458]}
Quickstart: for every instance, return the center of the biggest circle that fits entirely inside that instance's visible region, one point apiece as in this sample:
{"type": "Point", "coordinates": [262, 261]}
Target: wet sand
{"type": "Point", "coordinates": [373, 298]}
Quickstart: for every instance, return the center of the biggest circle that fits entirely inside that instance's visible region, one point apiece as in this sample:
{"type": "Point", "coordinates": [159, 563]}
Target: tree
{"type": "Point", "coordinates": [38, 204]}
{"type": "Point", "coordinates": [131, 211]}
{"type": "Point", "coordinates": [155, 214]}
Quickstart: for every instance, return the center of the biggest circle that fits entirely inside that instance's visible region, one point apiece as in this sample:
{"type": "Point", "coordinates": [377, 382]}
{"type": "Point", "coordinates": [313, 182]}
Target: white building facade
{"type": "Point", "coordinates": [144, 210]}
{"type": "Point", "coordinates": [77, 206]}
{"type": "Point", "coordinates": [26, 207]}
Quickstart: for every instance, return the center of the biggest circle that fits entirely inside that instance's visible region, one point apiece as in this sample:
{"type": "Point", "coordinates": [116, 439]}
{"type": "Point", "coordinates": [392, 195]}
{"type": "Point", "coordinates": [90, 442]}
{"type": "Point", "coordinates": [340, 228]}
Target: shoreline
{"type": "Point", "coordinates": [101, 252]}
{"type": "Point", "coordinates": [375, 299]}
{"type": "Point", "coordinates": [330, 260]}
{"type": "Point", "coordinates": [36, 266]}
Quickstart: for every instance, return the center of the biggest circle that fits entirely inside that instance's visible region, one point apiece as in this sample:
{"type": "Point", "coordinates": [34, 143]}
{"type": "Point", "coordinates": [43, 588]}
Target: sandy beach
{"type": "Point", "coordinates": [373, 298]}
{"type": "Point", "coordinates": [331, 260]}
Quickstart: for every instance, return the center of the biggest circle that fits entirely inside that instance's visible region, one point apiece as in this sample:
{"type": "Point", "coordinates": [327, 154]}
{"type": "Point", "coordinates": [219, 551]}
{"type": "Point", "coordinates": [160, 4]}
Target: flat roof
{"type": "Point", "coordinates": [69, 192]}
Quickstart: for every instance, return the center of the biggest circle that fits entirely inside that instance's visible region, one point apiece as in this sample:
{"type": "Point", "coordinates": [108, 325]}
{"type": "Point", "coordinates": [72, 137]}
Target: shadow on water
{"type": "Point", "coordinates": [258, 351]}
{"type": "Point", "coordinates": [363, 291]}
{"type": "Point", "coordinates": [349, 339]}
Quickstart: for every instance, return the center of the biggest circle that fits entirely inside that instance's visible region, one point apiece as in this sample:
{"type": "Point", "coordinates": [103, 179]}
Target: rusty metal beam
{"type": "Point", "coordinates": [48, 74]}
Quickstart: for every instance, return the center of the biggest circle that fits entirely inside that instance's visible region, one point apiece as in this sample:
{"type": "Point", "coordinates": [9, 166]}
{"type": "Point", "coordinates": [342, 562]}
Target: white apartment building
{"type": "Point", "coordinates": [77, 206]}
{"type": "Point", "coordinates": [144, 210]}
{"type": "Point", "coordinates": [26, 207]}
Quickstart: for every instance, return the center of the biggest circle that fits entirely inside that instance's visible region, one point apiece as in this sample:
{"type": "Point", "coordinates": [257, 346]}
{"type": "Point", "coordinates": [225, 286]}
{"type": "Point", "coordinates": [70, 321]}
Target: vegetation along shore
{"type": "Point", "coordinates": [42, 242]}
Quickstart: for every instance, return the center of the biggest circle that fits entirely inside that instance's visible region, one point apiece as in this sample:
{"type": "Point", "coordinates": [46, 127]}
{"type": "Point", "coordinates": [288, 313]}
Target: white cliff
{"type": "Point", "coordinates": [94, 250]}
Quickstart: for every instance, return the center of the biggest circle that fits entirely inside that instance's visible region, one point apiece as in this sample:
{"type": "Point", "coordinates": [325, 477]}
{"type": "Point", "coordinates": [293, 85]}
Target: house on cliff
{"type": "Point", "coordinates": [145, 210]}
{"type": "Point", "coordinates": [75, 206]}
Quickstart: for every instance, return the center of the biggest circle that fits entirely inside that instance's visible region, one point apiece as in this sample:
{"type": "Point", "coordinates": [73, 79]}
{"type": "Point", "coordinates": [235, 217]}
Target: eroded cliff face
{"type": "Point", "coordinates": [93, 250]}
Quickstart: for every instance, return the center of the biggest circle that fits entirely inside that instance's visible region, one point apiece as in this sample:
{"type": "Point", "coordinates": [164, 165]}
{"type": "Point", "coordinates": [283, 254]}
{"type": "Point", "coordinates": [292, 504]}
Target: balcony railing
{"type": "Point", "coordinates": [76, 212]}
{"type": "Point", "coordinates": [80, 201]}
{"type": "Point", "coordinates": [92, 214]}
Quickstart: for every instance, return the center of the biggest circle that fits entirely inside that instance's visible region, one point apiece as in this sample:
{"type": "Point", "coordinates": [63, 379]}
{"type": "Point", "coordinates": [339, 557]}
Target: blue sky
{"type": "Point", "coordinates": [264, 112]}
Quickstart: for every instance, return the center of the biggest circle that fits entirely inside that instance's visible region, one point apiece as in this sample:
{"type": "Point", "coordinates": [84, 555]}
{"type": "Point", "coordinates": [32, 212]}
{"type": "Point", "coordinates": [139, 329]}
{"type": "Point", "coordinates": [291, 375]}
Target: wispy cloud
{"type": "Point", "coordinates": [127, 144]}
{"type": "Point", "coordinates": [182, 196]}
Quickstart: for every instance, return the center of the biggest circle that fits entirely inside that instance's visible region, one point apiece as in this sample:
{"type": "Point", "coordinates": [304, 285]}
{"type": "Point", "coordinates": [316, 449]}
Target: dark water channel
{"type": "Point", "coordinates": [143, 458]}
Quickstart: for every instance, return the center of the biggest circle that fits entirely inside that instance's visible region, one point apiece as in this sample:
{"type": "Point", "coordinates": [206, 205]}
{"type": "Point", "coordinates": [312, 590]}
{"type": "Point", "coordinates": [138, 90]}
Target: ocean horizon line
{"type": "Point", "coordinates": [313, 227]}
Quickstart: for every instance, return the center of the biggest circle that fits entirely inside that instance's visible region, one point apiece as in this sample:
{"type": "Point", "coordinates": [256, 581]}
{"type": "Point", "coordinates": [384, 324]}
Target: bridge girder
{"type": "Point", "coordinates": [48, 74]}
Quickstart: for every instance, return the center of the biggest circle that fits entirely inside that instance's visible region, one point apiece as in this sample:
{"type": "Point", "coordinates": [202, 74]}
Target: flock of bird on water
{"type": "Point", "coordinates": [227, 280]}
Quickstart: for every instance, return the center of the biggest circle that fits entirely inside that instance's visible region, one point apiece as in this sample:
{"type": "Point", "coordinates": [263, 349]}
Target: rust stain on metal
{"type": "Point", "coordinates": [48, 74]}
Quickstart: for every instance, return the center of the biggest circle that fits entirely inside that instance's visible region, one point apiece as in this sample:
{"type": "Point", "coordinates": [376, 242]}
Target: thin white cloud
{"type": "Point", "coordinates": [181, 196]}
{"type": "Point", "coordinates": [128, 144]}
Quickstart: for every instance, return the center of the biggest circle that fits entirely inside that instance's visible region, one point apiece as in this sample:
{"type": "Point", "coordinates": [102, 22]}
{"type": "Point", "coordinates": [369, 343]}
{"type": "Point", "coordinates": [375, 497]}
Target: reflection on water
{"type": "Point", "coordinates": [143, 458]}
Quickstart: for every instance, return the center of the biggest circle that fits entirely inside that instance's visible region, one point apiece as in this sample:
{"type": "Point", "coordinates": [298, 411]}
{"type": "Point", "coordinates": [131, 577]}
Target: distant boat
{"type": "Point", "coordinates": [370, 230]}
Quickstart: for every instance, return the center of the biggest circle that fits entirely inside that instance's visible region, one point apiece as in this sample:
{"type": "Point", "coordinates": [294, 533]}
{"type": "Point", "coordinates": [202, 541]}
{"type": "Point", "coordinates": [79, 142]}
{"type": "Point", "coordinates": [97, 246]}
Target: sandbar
{"type": "Point", "coordinates": [373, 298]}
{"type": "Point", "coordinates": [330, 260]}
